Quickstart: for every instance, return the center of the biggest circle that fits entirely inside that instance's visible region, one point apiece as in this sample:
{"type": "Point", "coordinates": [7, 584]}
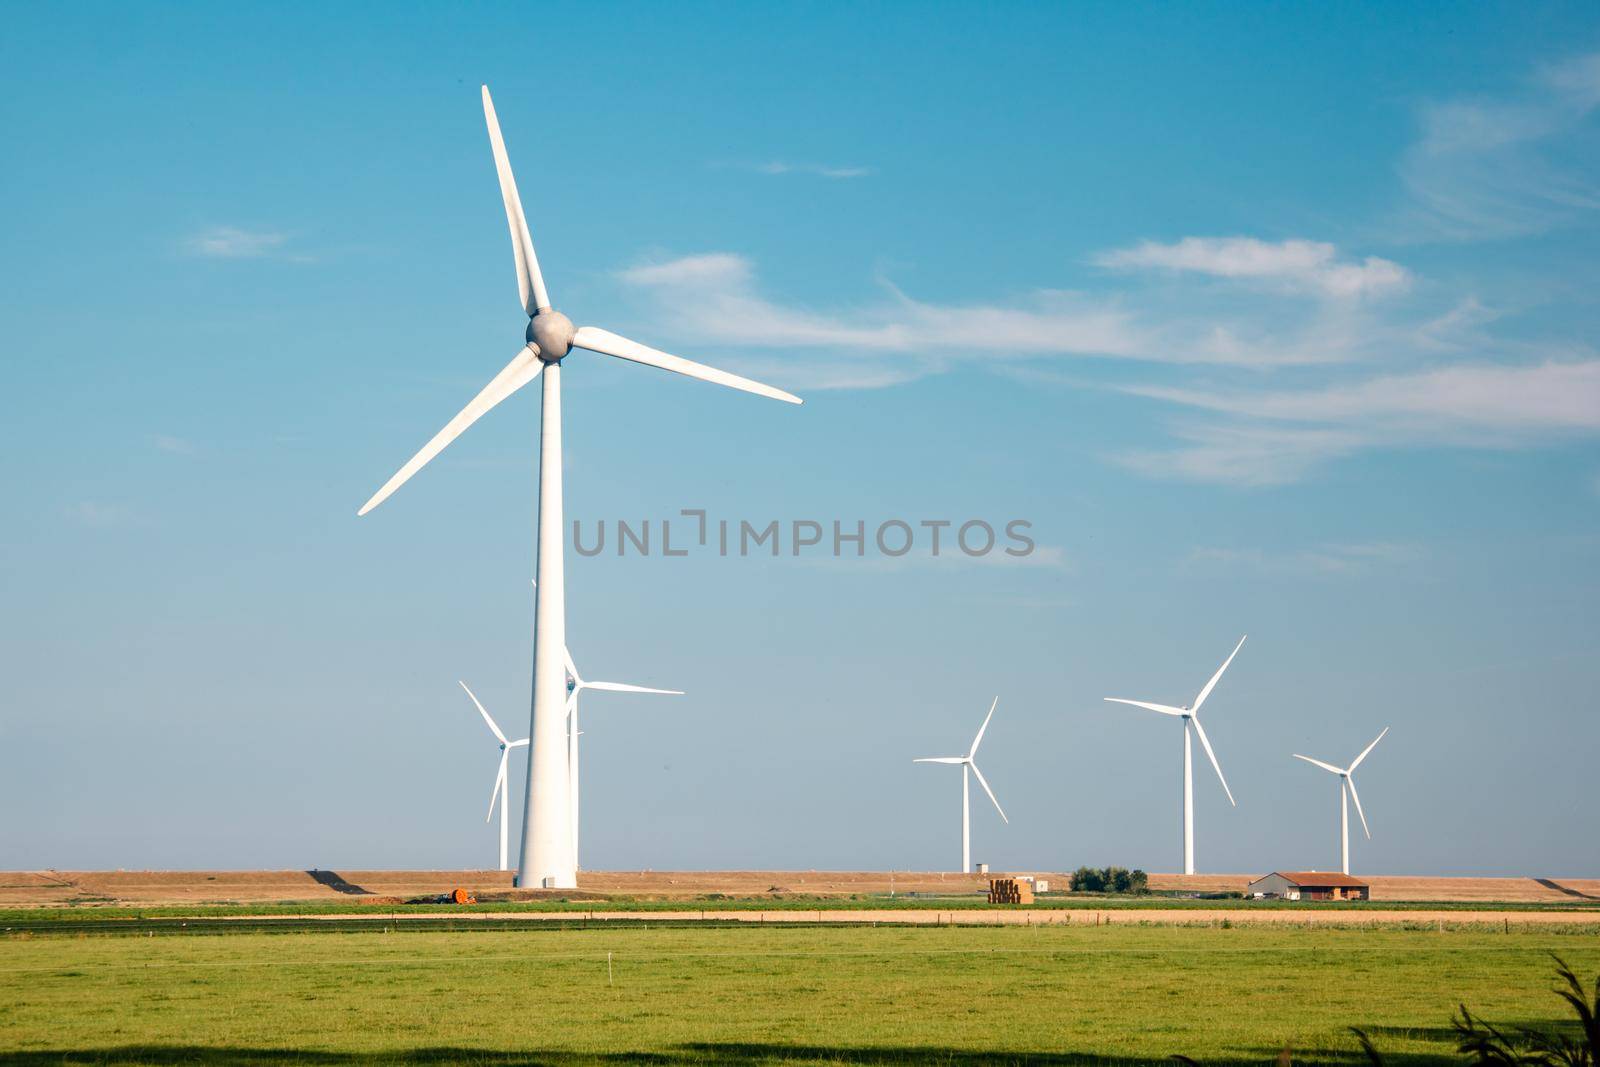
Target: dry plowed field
{"type": "Point", "coordinates": [22, 888]}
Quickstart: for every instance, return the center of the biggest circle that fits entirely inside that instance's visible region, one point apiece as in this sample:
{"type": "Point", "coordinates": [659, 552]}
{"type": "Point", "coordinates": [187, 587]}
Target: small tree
{"type": "Point", "coordinates": [1088, 880]}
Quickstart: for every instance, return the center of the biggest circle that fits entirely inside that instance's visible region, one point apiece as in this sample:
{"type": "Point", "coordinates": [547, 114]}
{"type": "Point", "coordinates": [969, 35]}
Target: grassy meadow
{"type": "Point", "coordinates": [689, 994]}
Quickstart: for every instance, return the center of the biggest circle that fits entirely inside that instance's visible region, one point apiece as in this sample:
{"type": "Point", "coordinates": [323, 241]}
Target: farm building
{"type": "Point", "coordinates": [1310, 885]}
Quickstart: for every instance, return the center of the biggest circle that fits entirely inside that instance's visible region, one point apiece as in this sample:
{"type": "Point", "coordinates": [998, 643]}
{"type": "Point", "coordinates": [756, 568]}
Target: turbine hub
{"type": "Point", "coordinates": [552, 332]}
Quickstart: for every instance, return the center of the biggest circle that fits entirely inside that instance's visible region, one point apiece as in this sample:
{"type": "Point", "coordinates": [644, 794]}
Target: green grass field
{"type": "Point", "coordinates": [957, 995]}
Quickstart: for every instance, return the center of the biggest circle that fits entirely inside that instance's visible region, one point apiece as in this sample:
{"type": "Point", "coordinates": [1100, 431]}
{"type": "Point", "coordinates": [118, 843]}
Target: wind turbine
{"type": "Point", "coordinates": [1191, 716]}
{"type": "Point", "coordinates": [575, 685]}
{"type": "Point", "coordinates": [1347, 793]}
{"type": "Point", "coordinates": [547, 858]}
{"type": "Point", "coordinates": [498, 790]}
{"type": "Point", "coordinates": [966, 813]}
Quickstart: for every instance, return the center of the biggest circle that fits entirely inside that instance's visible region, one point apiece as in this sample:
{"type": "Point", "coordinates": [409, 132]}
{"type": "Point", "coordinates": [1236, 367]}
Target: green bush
{"type": "Point", "coordinates": [1109, 880]}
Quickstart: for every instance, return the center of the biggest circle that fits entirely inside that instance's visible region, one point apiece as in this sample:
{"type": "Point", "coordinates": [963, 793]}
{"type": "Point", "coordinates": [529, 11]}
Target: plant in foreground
{"type": "Point", "coordinates": [1484, 1043]}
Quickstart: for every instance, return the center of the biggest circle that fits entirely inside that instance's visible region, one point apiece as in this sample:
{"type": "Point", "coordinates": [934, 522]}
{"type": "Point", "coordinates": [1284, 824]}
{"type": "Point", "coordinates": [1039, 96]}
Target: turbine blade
{"type": "Point", "coordinates": [604, 341]}
{"type": "Point", "coordinates": [1357, 798]}
{"type": "Point", "coordinates": [1319, 763]}
{"type": "Point", "coordinates": [1206, 744]}
{"type": "Point", "coordinates": [572, 668]}
{"type": "Point", "coordinates": [494, 790]}
{"type": "Point", "coordinates": [518, 744]}
{"type": "Point", "coordinates": [983, 782]}
{"type": "Point", "coordinates": [1201, 699]}
{"type": "Point", "coordinates": [1369, 748]}
{"type": "Point", "coordinates": [492, 727]}
{"type": "Point", "coordinates": [941, 759]}
{"type": "Point", "coordinates": [620, 687]}
{"type": "Point", "coordinates": [530, 283]}
{"type": "Point", "coordinates": [978, 740]}
{"type": "Point", "coordinates": [523, 368]}
{"type": "Point", "coordinates": [1164, 709]}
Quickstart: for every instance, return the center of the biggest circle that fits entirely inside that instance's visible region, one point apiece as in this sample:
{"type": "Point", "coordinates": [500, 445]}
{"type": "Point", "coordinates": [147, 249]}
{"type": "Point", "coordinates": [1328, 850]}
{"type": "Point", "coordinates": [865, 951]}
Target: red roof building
{"type": "Point", "coordinates": [1310, 885]}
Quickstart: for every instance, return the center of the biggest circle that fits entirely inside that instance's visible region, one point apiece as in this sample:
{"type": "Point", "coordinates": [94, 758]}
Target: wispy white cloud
{"type": "Point", "coordinates": [1482, 401]}
{"type": "Point", "coordinates": [1330, 559]}
{"type": "Point", "coordinates": [1276, 355]}
{"type": "Point", "coordinates": [1042, 558]}
{"type": "Point", "coordinates": [1309, 266]}
{"type": "Point", "coordinates": [1271, 437]}
{"type": "Point", "coordinates": [1480, 168]}
{"type": "Point", "coordinates": [97, 514]}
{"type": "Point", "coordinates": [1239, 454]}
{"type": "Point", "coordinates": [711, 270]}
{"type": "Point", "coordinates": [714, 297]}
{"type": "Point", "coordinates": [1462, 326]}
{"type": "Point", "coordinates": [820, 170]}
{"type": "Point", "coordinates": [1499, 167]}
{"type": "Point", "coordinates": [175, 445]}
{"type": "Point", "coordinates": [1447, 382]}
{"type": "Point", "coordinates": [1577, 80]}
{"type": "Point", "coordinates": [231, 242]}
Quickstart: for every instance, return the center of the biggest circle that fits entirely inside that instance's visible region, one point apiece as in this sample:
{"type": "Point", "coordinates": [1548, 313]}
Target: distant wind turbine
{"type": "Point", "coordinates": [966, 762]}
{"type": "Point", "coordinates": [498, 791]}
{"type": "Point", "coordinates": [1347, 793]}
{"type": "Point", "coordinates": [575, 685]}
{"type": "Point", "coordinates": [1191, 716]}
{"type": "Point", "coordinates": [547, 860]}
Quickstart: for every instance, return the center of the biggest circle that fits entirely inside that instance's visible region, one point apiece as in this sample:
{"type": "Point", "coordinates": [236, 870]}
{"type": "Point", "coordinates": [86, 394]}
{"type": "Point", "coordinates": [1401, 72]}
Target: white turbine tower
{"type": "Point", "coordinates": [1191, 716]}
{"type": "Point", "coordinates": [499, 790]}
{"type": "Point", "coordinates": [966, 811]}
{"type": "Point", "coordinates": [576, 685]}
{"type": "Point", "coordinates": [547, 857]}
{"type": "Point", "coordinates": [1347, 793]}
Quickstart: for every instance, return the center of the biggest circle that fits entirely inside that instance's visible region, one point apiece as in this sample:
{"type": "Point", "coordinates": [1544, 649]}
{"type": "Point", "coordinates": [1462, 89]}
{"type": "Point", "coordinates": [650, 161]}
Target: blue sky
{"type": "Point", "coordinates": [1270, 320]}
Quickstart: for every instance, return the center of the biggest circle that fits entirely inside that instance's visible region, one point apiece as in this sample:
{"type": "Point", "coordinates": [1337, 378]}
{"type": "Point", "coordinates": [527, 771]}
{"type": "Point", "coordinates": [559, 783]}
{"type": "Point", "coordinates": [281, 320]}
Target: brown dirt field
{"type": "Point", "coordinates": [1418, 887]}
{"type": "Point", "coordinates": [23, 888]}
{"type": "Point", "coordinates": [1058, 917]}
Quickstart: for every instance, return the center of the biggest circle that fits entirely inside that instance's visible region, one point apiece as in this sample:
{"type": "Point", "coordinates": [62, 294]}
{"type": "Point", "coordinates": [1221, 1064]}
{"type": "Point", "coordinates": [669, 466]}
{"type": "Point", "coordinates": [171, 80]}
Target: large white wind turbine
{"type": "Point", "coordinates": [499, 790]}
{"type": "Point", "coordinates": [547, 857]}
{"type": "Point", "coordinates": [1191, 716]}
{"type": "Point", "coordinates": [575, 685]}
{"type": "Point", "coordinates": [1347, 793]}
{"type": "Point", "coordinates": [966, 762]}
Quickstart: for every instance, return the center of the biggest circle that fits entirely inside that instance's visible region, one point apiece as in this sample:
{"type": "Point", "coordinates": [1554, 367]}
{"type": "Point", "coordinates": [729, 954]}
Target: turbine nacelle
{"type": "Point", "coordinates": [551, 333]}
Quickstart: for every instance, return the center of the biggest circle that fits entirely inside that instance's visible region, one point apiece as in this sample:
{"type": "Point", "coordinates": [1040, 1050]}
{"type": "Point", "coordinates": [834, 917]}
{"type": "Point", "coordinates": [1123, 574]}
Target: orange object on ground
{"type": "Point", "coordinates": [1010, 891]}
